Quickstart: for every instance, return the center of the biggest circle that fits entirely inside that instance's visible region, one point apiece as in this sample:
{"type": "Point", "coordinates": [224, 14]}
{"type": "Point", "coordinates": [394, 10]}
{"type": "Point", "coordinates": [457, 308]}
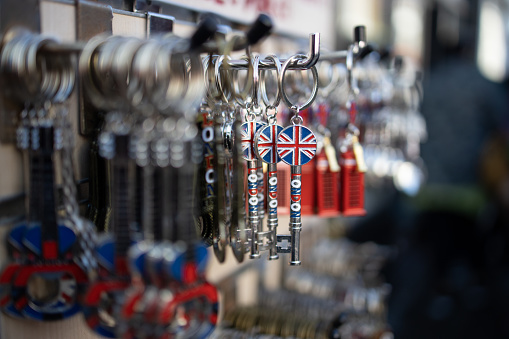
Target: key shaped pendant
{"type": "Point", "coordinates": [296, 147]}
{"type": "Point", "coordinates": [248, 132]}
{"type": "Point", "coordinates": [266, 150]}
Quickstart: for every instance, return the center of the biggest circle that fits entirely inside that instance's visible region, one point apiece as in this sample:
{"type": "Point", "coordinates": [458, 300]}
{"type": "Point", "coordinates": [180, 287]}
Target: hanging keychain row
{"type": "Point", "coordinates": [157, 179]}
{"type": "Point", "coordinates": [51, 252]}
{"type": "Point", "coordinates": [155, 287]}
{"type": "Point", "coordinates": [59, 267]}
{"type": "Point", "coordinates": [263, 141]}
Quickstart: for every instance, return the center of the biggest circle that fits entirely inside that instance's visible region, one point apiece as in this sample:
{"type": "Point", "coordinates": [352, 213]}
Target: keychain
{"type": "Point", "coordinates": [296, 147]}
{"type": "Point", "coordinates": [266, 150]}
{"type": "Point", "coordinates": [352, 172]}
{"type": "Point", "coordinates": [327, 167]}
{"type": "Point", "coordinates": [248, 132]}
{"type": "Point", "coordinates": [46, 249]}
{"type": "Point", "coordinates": [352, 156]}
{"type": "Point", "coordinates": [113, 277]}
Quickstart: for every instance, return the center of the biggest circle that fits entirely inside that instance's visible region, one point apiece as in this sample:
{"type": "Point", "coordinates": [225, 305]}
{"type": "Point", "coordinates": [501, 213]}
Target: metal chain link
{"type": "Point", "coordinates": [84, 229]}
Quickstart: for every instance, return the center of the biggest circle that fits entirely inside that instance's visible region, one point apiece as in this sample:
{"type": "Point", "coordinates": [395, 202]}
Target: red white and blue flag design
{"type": "Point", "coordinates": [266, 144]}
{"type": "Point", "coordinates": [247, 133]}
{"type": "Point", "coordinates": [296, 145]}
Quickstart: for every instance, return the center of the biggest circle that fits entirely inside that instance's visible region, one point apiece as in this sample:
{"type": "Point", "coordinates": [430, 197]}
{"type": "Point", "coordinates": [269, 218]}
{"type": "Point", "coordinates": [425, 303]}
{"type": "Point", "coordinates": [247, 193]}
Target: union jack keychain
{"type": "Point", "coordinates": [296, 147]}
{"type": "Point", "coordinates": [248, 132]}
{"type": "Point", "coordinates": [266, 150]}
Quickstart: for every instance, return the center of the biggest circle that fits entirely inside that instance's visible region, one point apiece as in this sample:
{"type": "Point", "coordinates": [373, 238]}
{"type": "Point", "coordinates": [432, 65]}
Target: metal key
{"type": "Point", "coordinates": [248, 132]}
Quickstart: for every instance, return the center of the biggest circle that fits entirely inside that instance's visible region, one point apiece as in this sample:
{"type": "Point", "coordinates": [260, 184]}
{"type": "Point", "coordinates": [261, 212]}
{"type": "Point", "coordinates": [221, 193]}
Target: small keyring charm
{"type": "Point", "coordinates": [284, 96]}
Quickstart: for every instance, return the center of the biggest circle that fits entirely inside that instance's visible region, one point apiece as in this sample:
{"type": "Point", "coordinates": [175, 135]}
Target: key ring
{"type": "Point", "coordinates": [263, 88]}
{"type": "Point", "coordinates": [240, 96]}
{"type": "Point", "coordinates": [224, 95]}
{"type": "Point", "coordinates": [333, 83]}
{"type": "Point", "coordinates": [103, 64]}
{"type": "Point", "coordinates": [121, 67]}
{"type": "Point", "coordinates": [284, 96]}
{"type": "Point", "coordinates": [63, 70]}
{"type": "Point", "coordinates": [212, 93]}
{"type": "Point", "coordinates": [33, 68]}
{"type": "Point", "coordinates": [142, 83]}
{"type": "Point", "coordinates": [255, 99]}
{"type": "Point", "coordinates": [193, 76]}
{"type": "Point", "coordinates": [86, 65]}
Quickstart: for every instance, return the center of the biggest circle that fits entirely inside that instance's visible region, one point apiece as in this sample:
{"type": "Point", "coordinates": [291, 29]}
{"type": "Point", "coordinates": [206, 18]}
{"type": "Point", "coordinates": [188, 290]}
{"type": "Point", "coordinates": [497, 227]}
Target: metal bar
{"type": "Point", "coordinates": [63, 48]}
{"type": "Point", "coordinates": [312, 57]}
{"type": "Point", "coordinates": [336, 56]}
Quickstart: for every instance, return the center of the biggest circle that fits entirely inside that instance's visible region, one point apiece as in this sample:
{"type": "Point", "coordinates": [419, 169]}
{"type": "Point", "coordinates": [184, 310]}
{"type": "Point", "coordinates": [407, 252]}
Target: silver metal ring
{"type": "Point", "coordinates": [243, 97]}
{"type": "Point", "coordinates": [256, 81]}
{"type": "Point", "coordinates": [142, 77]}
{"type": "Point", "coordinates": [194, 79]}
{"type": "Point", "coordinates": [240, 96]}
{"type": "Point", "coordinates": [86, 67]}
{"type": "Point", "coordinates": [334, 80]}
{"type": "Point", "coordinates": [224, 94]}
{"type": "Point", "coordinates": [284, 68]}
{"type": "Point", "coordinates": [263, 88]}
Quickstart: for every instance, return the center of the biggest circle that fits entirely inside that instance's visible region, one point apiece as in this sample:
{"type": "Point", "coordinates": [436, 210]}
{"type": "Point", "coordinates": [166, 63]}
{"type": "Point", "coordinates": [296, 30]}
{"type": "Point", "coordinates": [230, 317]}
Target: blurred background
{"type": "Point", "coordinates": [450, 276]}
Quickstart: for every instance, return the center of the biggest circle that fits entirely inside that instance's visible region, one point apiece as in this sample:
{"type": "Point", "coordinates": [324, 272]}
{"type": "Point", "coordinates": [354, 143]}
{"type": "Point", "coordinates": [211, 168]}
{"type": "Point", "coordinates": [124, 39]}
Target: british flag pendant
{"type": "Point", "coordinates": [296, 147]}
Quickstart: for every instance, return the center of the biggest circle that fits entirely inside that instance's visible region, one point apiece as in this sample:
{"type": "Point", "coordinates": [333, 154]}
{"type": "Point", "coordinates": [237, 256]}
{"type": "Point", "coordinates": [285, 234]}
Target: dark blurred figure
{"type": "Point", "coordinates": [450, 276]}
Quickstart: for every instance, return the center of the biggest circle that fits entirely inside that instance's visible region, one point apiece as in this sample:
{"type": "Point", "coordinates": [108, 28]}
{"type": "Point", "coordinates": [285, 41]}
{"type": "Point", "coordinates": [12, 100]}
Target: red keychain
{"type": "Point", "coordinates": [327, 171]}
{"type": "Point", "coordinates": [352, 171]}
